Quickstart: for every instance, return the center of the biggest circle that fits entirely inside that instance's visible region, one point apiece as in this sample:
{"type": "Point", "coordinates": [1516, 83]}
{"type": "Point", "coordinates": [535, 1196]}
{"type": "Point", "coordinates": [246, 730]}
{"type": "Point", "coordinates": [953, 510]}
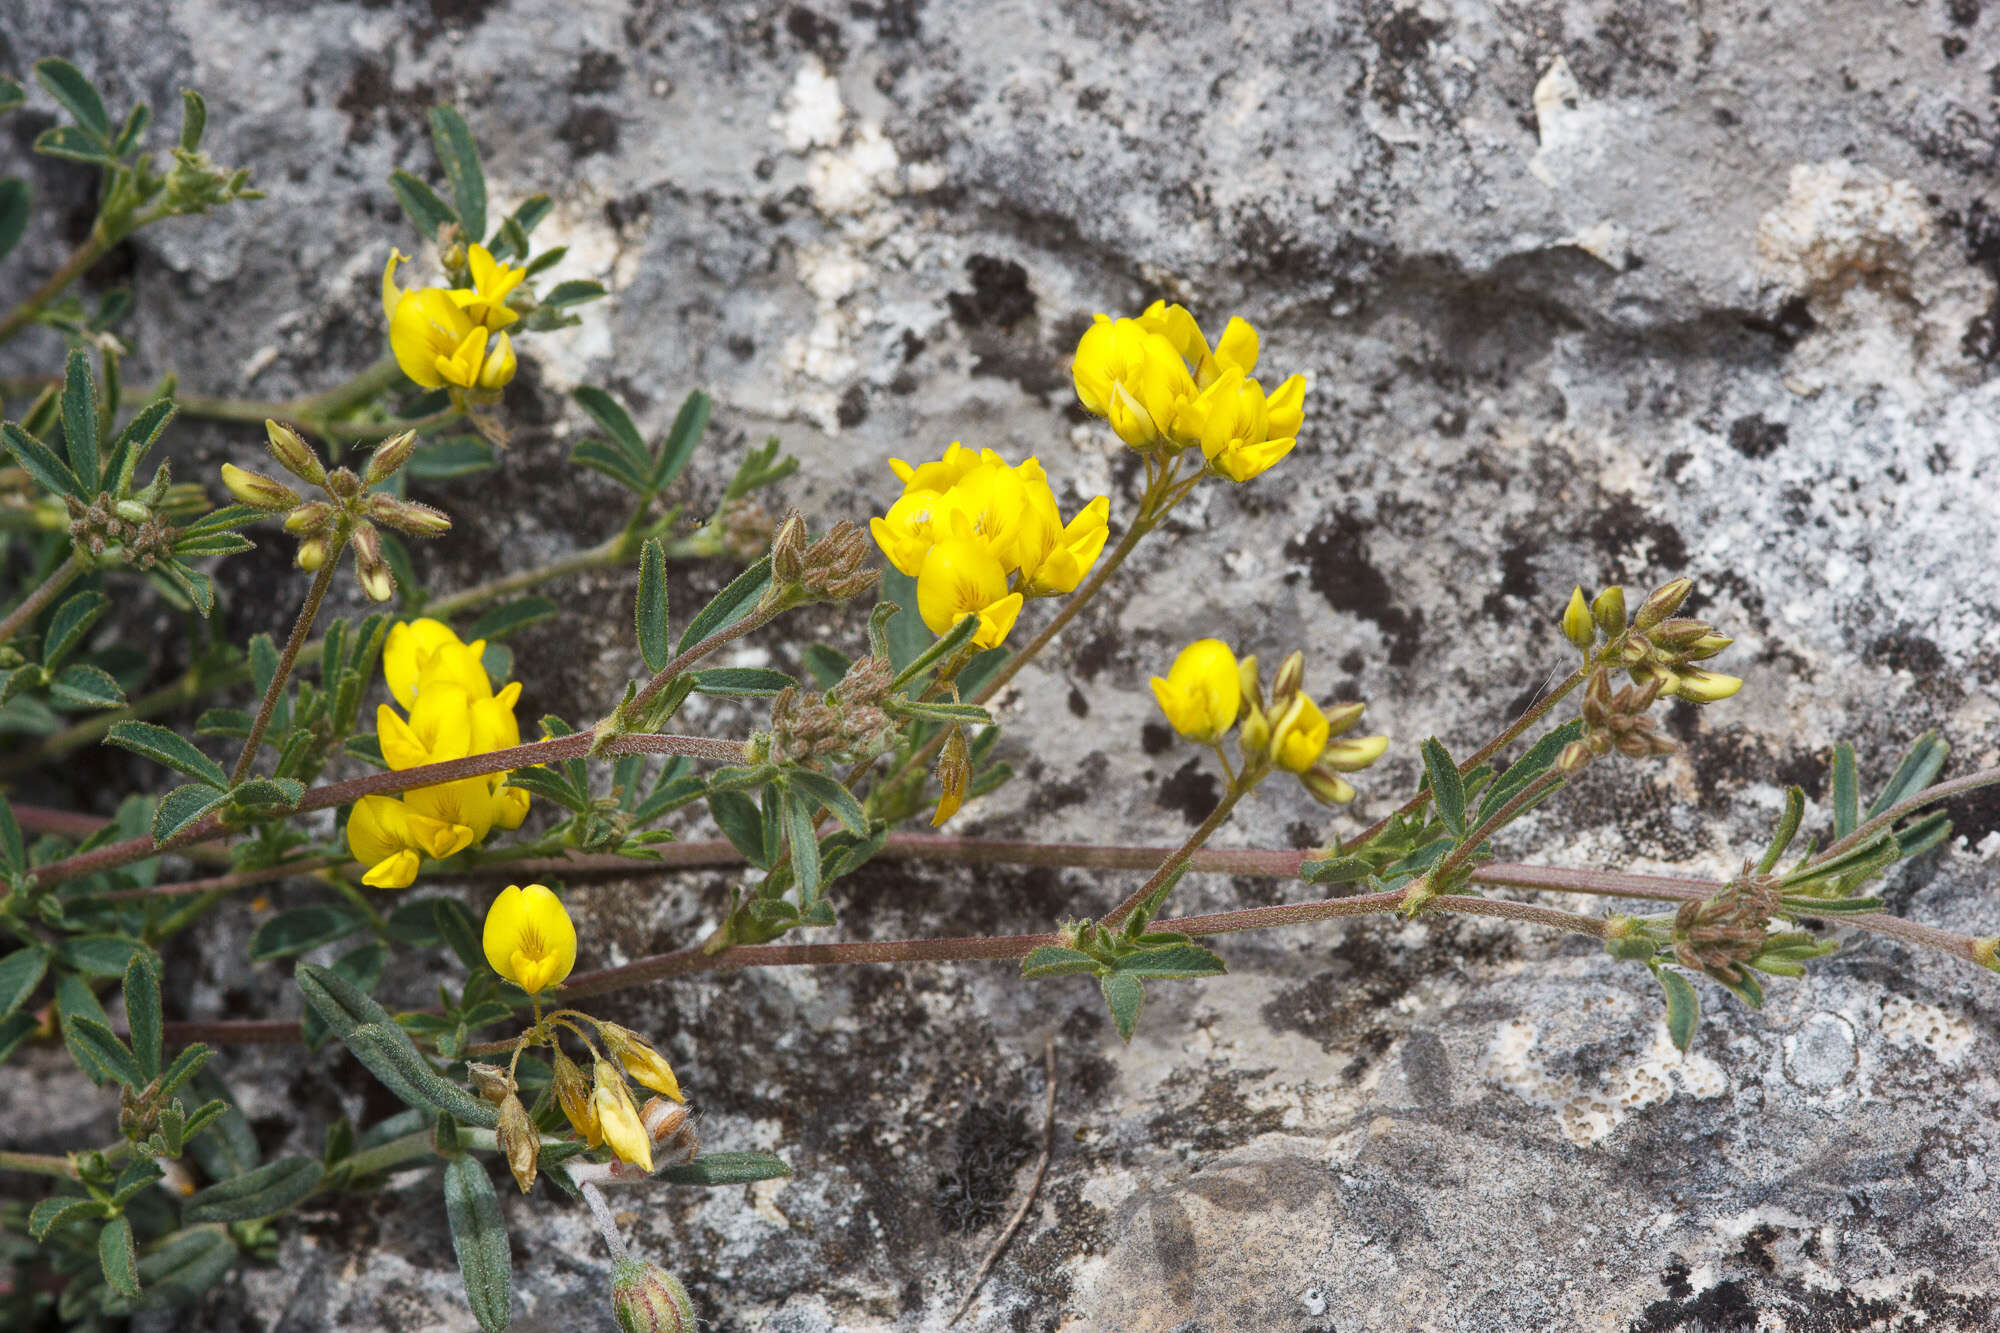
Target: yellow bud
{"type": "Point", "coordinates": [954, 770]}
{"type": "Point", "coordinates": [1340, 719]}
{"type": "Point", "coordinates": [618, 1118]}
{"type": "Point", "coordinates": [646, 1066]}
{"type": "Point", "coordinates": [259, 492]}
{"type": "Point", "coordinates": [1609, 611]}
{"type": "Point", "coordinates": [573, 1095]}
{"type": "Point", "coordinates": [314, 516]}
{"type": "Point", "coordinates": [389, 457]}
{"type": "Point", "coordinates": [1299, 735]}
{"type": "Point", "coordinates": [519, 1141]}
{"type": "Point", "coordinates": [1326, 787]}
{"type": "Point", "coordinates": [1703, 687]}
{"type": "Point", "coordinates": [1577, 625]}
{"type": "Point", "coordinates": [1291, 676]}
{"type": "Point", "coordinates": [294, 454]}
{"type": "Point", "coordinates": [370, 567]}
{"type": "Point", "coordinates": [1661, 603]}
{"type": "Point", "coordinates": [1355, 755]}
{"type": "Point", "coordinates": [1202, 692]}
{"type": "Point", "coordinates": [312, 554]}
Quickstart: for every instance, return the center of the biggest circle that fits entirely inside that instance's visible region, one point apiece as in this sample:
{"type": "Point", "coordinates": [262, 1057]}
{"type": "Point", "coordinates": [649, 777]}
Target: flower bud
{"type": "Point", "coordinates": [1577, 625]}
{"type": "Point", "coordinates": [389, 457]}
{"type": "Point", "coordinates": [258, 492]}
{"type": "Point", "coordinates": [311, 518]}
{"type": "Point", "coordinates": [1608, 610]}
{"type": "Point", "coordinates": [573, 1095]}
{"type": "Point", "coordinates": [1663, 602]}
{"type": "Point", "coordinates": [1355, 755]}
{"type": "Point", "coordinates": [1707, 646]}
{"type": "Point", "coordinates": [1575, 757]}
{"type": "Point", "coordinates": [1291, 676]}
{"type": "Point", "coordinates": [1986, 952]}
{"type": "Point", "coordinates": [645, 1065]}
{"type": "Point", "coordinates": [1341, 718]}
{"type": "Point", "coordinates": [1246, 677]}
{"type": "Point", "coordinates": [646, 1298]}
{"type": "Point", "coordinates": [294, 454]}
{"type": "Point", "coordinates": [132, 511]}
{"type": "Point", "coordinates": [490, 1081]}
{"type": "Point", "coordinates": [377, 580]}
{"type": "Point", "coordinates": [1326, 787]}
{"type": "Point", "coordinates": [419, 520]}
{"type": "Point", "coordinates": [1704, 687]}
{"type": "Point", "coordinates": [954, 770]}
{"type": "Point", "coordinates": [618, 1118]}
{"type": "Point", "coordinates": [343, 483]}
{"type": "Point", "coordinates": [519, 1141]}
{"type": "Point", "coordinates": [788, 549]}
{"type": "Point", "coordinates": [312, 554]}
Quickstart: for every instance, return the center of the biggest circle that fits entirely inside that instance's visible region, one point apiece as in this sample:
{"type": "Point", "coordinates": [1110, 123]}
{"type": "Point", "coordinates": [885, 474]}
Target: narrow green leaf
{"type": "Point", "coordinates": [479, 1238]}
{"type": "Point", "coordinates": [650, 606]}
{"type": "Point", "coordinates": [184, 1067]}
{"type": "Point", "coordinates": [82, 686]}
{"type": "Point", "coordinates": [78, 96]}
{"type": "Point", "coordinates": [421, 202]}
{"type": "Point", "coordinates": [268, 1190]}
{"type": "Point", "coordinates": [70, 623]}
{"type": "Point", "coordinates": [742, 682]}
{"type": "Point", "coordinates": [611, 461]}
{"type": "Point", "coordinates": [75, 144]}
{"type": "Point", "coordinates": [79, 416]}
{"type": "Point", "coordinates": [456, 927]}
{"type": "Point", "coordinates": [551, 786]}
{"type": "Point", "coordinates": [577, 291]}
{"type": "Point", "coordinates": [101, 1045]}
{"type": "Point", "coordinates": [512, 618]}
{"type": "Point", "coordinates": [1846, 792]}
{"type": "Point", "coordinates": [1923, 835]}
{"type": "Point", "coordinates": [221, 520]}
{"type": "Point", "coordinates": [230, 1147]}
{"type": "Point", "coordinates": [1683, 1007]}
{"type": "Point", "coordinates": [13, 1031]}
{"type": "Point", "coordinates": [936, 710]}
{"type": "Point", "coordinates": [741, 822]}
{"type": "Point", "coordinates": [1125, 995]}
{"type": "Point", "coordinates": [12, 94]}
{"type": "Point", "coordinates": [459, 456]}
{"type": "Point", "coordinates": [1829, 907]}
{"type": "Point", "coordinates": [13, 857]}
{"type": "Point", "coordinates": [40, 462]}
{"type": "Point", "coordinates": [60, 1210]}
{"type": "Point", "coordinates": [727, 1168]}
{"type": "Point", "coordinates": [100, 955]}
{"type": "Point", "coordinates": [183, 806]}
{"type": "Point", "coordinates": [118, 1258]}
{"type": "Point", "coordinates": [1052, 960]}
{"type": "Point", "coordinates": [214, 543]}
{"type": "Point", "coordinates": [301, 928]}
{"type": "Point", "coordinates": [194, 119]}
{"type": "Point", "coordinates": [683, 437]}
{"type": "Point", "coordinates": [836, 798]}
{"type": "Point", "coordinates": [607, 412]}
{"type": "Point", "coordinates": [1447, 788]}
{"type": "Point", "coordinates": [827, 666]}
{"type": "Point", "coordinates": [1336, 870]}
{"type": "Point", "coordinates": [1918, 770]}
{"type": "Point", "coordinates": [164, 747]}
{"type": "Point", "coordinates": [197, 587]}
{"type": "Point", "coordinates": [1788, 827]}
{"type": "Point", "coordinates": [734, 602]}
{"type": "Point", "coordinates": [20, 972]}
{"type": "Point", "coordinates": [1176, 960]}
{"type": "Point", "coordinates": [950, 643]}
{"type": "Point", "coordinates": [802, 834]}
{"type": "Point", "coordinates": [459, 156]}
{"type": "Point", "coordinates": [16, 208]}
{"type": "Point", "coordinates": [135, 442]}
{"type": "Point", "coordinates": [142, 1012]}
{"type": "Point", "coordinates": [75, 1003]}
{"type": "Point", "coordinates": [130, 132]}
{"type": "Point", "coordinates": [394, 1047]}
{"type": "Point", "coordinates": [266, 793]}
{"type": "Point", "coordinates": [178, 1269]}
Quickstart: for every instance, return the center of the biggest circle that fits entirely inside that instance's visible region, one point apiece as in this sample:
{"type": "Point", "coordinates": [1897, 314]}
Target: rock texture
{"type": "Point", "coordinates": [1610, 290]}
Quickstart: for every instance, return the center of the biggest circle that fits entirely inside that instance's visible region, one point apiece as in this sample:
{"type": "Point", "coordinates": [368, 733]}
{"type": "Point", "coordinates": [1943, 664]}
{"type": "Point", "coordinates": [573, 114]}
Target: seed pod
{"type": "Point", "coordinates": [490, 1082]}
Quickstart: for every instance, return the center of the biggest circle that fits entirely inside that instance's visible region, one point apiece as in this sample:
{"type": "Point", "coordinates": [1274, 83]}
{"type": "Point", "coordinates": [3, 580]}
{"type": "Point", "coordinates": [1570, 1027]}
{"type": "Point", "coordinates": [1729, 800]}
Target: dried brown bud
{"type": "Point", "coordinates": [294, 454]}
{"type": "Point", "coordinates": [490, 1081]}
{"type": "Point", "coordinates": [573, 1095]}
{"type": "Point", "coordinates": [788, 549]}
{"type": "Point", "coordinates": [519, 1141]}
{"type": "Point", "coordinates": [954, 770]}
{"type": "Point", "coordinates": [1718, 935]}
{"type": "Point", "coordinates": [389, 457]}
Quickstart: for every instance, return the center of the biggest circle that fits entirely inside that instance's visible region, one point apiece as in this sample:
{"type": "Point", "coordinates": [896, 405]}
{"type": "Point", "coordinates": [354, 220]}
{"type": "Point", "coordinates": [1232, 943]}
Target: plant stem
{"type": "Point", "coordinates": [1181, 856]}
{"type": "Point", "coordinates": [681, 661]}
{"type": "Point", "coordinates": [1468, 905]}
{"type": "Point", "coordinates": [38, 1164]}
{"type": "Point", "coordinates": [1943, 791]}
{"type": "Point", "coordinates": [93, 249]}
{"type": "Point", "coordinates": [1080, 599]}
{"type": "Point", "coordinates": [31, 605]}
{"type": "Point", "coordinates": [1469, 845]}
{"type": "Point", "coordinates": [322, 580]}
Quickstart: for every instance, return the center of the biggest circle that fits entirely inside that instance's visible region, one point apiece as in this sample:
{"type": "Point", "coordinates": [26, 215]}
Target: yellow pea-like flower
{"type": "Point", "coordinates": [1299, 735]}
{"type": "Point", "coordinates": [572, 1091]}
{"type": "Point", "coordinates": [485, 301]}
{"type": "Point", "coordinates": [510, 804]}
{"type": "Point", "coordinates": [1134, 378]}
{"type": "Point", "coordinates": [440, 728]}
{"type": "Point", "coordinates": [1699, 686]}
{"type": "Point", "coordinates": [419, 652]}
{"type": "Point", "coordinates": [618, 1118]}
{"type": "Point", "coordinates": [1055, 556]}
{"type": "Point", "coordinates": [492, 720]}
{"type": "Point", "coordinates": [1202, 691]}
{"type": "Point", "coordinates": [942, 475]}
{"type": "Point", "coordinates": [908, 531]}
{"type": "Point", "coordinates": [642, 1062]}
{"type": "Point", "coordinates": [456, 815]}
{"type": "Point", "coordinates": [379, 837]}
{"type": "Point", "coordinates": [437, 343]}
{"type": "Point", "coordinates": [529, 938]}
{"type": "Point", "coordinates": [961, 577]}
{"type": "Point", "coordinates": [1235, 425]}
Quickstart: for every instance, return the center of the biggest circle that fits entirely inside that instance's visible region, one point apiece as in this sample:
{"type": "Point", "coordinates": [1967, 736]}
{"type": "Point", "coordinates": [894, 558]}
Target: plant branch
{"type": "Point", "coordinates": [38, 1164]}
{"type": "Point", "coordinates": [694, 653]}
{"type": "Point", "coordinates": [1180, 857]}
{"type": "Point", "coordinates": [1931, 795]}
{"type": "Point", "coordinates": [94, 248]}
{"type": "Point", "coordinates": [322, 580]}
{"type": "Point", "coordinates": [31, 606]}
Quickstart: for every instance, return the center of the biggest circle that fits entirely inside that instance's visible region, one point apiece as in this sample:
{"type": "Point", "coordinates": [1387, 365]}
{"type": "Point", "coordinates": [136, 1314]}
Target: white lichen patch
{"type": "Point", "coordinates": [1588, 1115]}
{"type": "Point", "coordinates": [813, 114]}
{"type": "Point", "coordinates": [1912, 1023]}
{"type": "Point", "coordinates": [1841, 222]}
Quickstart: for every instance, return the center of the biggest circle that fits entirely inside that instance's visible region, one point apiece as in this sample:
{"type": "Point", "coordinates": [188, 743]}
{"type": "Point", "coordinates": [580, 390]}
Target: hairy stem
{"type": "Point", "coordinates": [93, 249]}
{"type": "Point", "coordinates": [31, 606]}
{"type": "Point", "coordinates": [287, 659]}
{"type": "Point", "coordinates": [694, 653]}
{"type": "Point", "coordinates": [1181, 855]}
{"type": "Point", "coordinates": [38, 1164]}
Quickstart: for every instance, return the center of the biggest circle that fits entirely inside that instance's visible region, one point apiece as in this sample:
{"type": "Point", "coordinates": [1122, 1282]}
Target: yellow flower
{"type": "Point", "coordinates": [942, 475]}
{"type": "Point", "coordinates": [451, 816]}
{"type": "Point", "coordinates": [646, 1066]}
{"type": "Point", "coordinates": [1202, 691]}
{"type": "Point", "coordinates": [440, 728]}
{"type": "Point", "coordinates": [1240, 431]}
{"type": "Point", "coordinates": [529, 939]}
{"type": "Point", "coordinates": [510, 804]}
{"type": "Point", "coordinates": [618, 1118]}
{"type": "Point", "coordinates": [1235, 350]}
{"type": "Point", "coordinates": [1134, 378]}
{"type": "Point", "coordinates": [962, 577]}
{"type": "Point", "coordinates": [419, 651]}
{"type": "Point", "coordinates": [379, 837]}
{"type": "Point", "coordinates": [437, 343]}
{"type": "Point", "coordinates": [1299, 736]}
{"type": "Point", "coordinates": [1054, 557]}
{"type": "Point", "coordinates": [485, 301]}
{"type": "Point", "coordinates": [572, 1091]}
{"type": "Point", "coordinates": [905, 533]}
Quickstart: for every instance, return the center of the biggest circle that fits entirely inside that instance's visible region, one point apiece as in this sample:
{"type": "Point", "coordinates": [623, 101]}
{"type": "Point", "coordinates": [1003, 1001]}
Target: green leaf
{"type": "Point", "coordinates": [164, 747]}
{"type": "Point", "coordinates": [459, 456]}
{"type": "Point", "coordinates": [183, 806]}
{"type": "Point", "coordinates": [577, 291]}
{"type": "Point", "coordinates": [1052, 960]}
{"type": "Point", "coordinates": [265, 793]}
{"type": "Point", "coordinates": [730, 605]}
{"type": "Point", "coordinates": [1176, 960]}
{"type": "Point", "coordinates": [60, 1210]}
{"type": "Point", "coordinates": [459, 156]}
{"type": "Point", "coordinates": [1846, 792]}
{"type": "Point", "coordinates": [392, 1047]}
{"type": "Point", "coordinates": [550, 785]}
{"type": "Point", "coordinates": [833, 796]}
{"type": "Point", "coordinates": [827, 666]}
{"type": "Point", "coordinates": [1788, 827]}
{"type": "Point", "coordinates": [50, 472]}
{"type": "Point", "coordinates": [738, 818]}
{"type": "Point", "coordinates": [69, 624]}
{"type": "Point", "coordinates": [650, 606]}
{"type": "Point", "coordinates": [20, 972]}
{"type": "Point", "coordinates": [231, 1149]}
{"type": "Point", "coordinates": [74, 144]}
{"type": "Point", "coordinates": [82, 686]}
{"type": "Point", "coordinates": [479, 1238]}
{"type": "Point", "coordinates": [180, 1268]}
{"type": "Point", "coordinates": [1336, 870]}
{"type": "Point", "coordinates": [100, 955]}
{"type": "Point", "coordinates": [13, 1031]}
{"type": "Point", "coordinates": [65, 83]}
{"type": "Point", "coordinates": [194, 119]}
{"type": "Point", "coordinates": [803, 835]}
{"type": "Point", "coordinates": [103, 1049]}
{"type": "Point", "coordinates": [1125, 995]}
{"type": "Point", "coordinates": [727, 1168]}
{"type": "Point", "coordinates": [456, 927]}
{"type": "Point", "coordinates": [1683, 1007]}
{"type": "Point", "coordinates": [118, 1258]}
{"type": "Point", "coordinates": [13, 857]}
{"type": "Point", "coordinates": [76, 1003]}
{"type": "Point", "coordinates": [214, 543]}
{"type": "Point", "coordinates": [512, 618]}
{"type": "Point", "coordinates": [197, 587]}
{"type": "Point", "coordinates": [268, 1190]}
{"type": "Point", "coordinates": [742, 682]}
{"type": "Point", "coordinates": [420, 201]}
{"type": "Point", "coordinates": [135, 441]}
{"type": "Point", "coordinates": [936, 710]}
{"type": "Point", "coordinates": [1923, 835]}
{"type": "Point", "coordinates": [547, 259]}
{"type": "Point", "coordinates": [907, 635]}
{"type": "Point", "coordinates": [683, 437]}
{"type": "Point", "coordinates": [617, 423]}
{"type": "Point", "coordinates": [221, 520]}
{"type": "Point", "coordinates": [301, 928]}
{"type": "Point", "coordinates": [1447, 788]}
{"type": "Point", "coordinates": [142, 1012]}
{"type": "Point", "coordinates": [79, 416]}
{"type": "Point", "coordinates": [12, 94]}
{"type": "Point", "coordinates": [1918, 770]}
{"type": "Point", "coordinates": [16, 208]}
{"type": "Point", "coordinates": [608, 459]}
{"type": "Point", "coordinates": [129, 133]}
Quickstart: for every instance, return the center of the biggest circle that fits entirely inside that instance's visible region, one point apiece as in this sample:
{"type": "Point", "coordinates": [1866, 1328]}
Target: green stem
{"type": "Point", "coordinates": [31, 606]}
{"type": "Point", "coordinates": [1469, 845]}
{"type": "Point", "coordinates": [38, 1164]}
{"type": "Point", "coordinates": [1185, 853]}
{"type": "Point", "coordinates": [93, 249]}
{"type": "Point", "coordinates": [287, 659]}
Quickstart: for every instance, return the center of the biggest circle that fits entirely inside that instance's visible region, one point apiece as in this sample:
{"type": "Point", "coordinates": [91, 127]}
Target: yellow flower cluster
{"type": "Point", "coordinates": [451, 337]}
{"type": "Point", "coordinates": [453, 712]}
{"type": "Point", "coordinates": [1208, 688]}
{"type": "Point", "coordinates": [1161, 386]}
{"type": "Point", "coordinates": [979, 536]}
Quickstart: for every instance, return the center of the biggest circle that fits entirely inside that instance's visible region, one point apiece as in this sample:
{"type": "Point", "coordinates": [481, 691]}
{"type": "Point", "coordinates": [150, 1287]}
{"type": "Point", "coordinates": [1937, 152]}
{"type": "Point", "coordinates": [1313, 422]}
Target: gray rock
{"type": "Point", "coordinates": [1595, 292]}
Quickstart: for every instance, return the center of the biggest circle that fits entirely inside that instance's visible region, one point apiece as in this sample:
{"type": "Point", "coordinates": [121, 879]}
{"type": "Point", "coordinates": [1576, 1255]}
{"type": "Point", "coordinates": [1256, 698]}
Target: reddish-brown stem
{"type": "Point", "coordinates": [682, 661]}
{"type": "Point", "coordinates": [1931, 795]}
{"type": "Point", "coordinates": [1178, 858]}
{"type": "Point", "coordinates": [289, 657]}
